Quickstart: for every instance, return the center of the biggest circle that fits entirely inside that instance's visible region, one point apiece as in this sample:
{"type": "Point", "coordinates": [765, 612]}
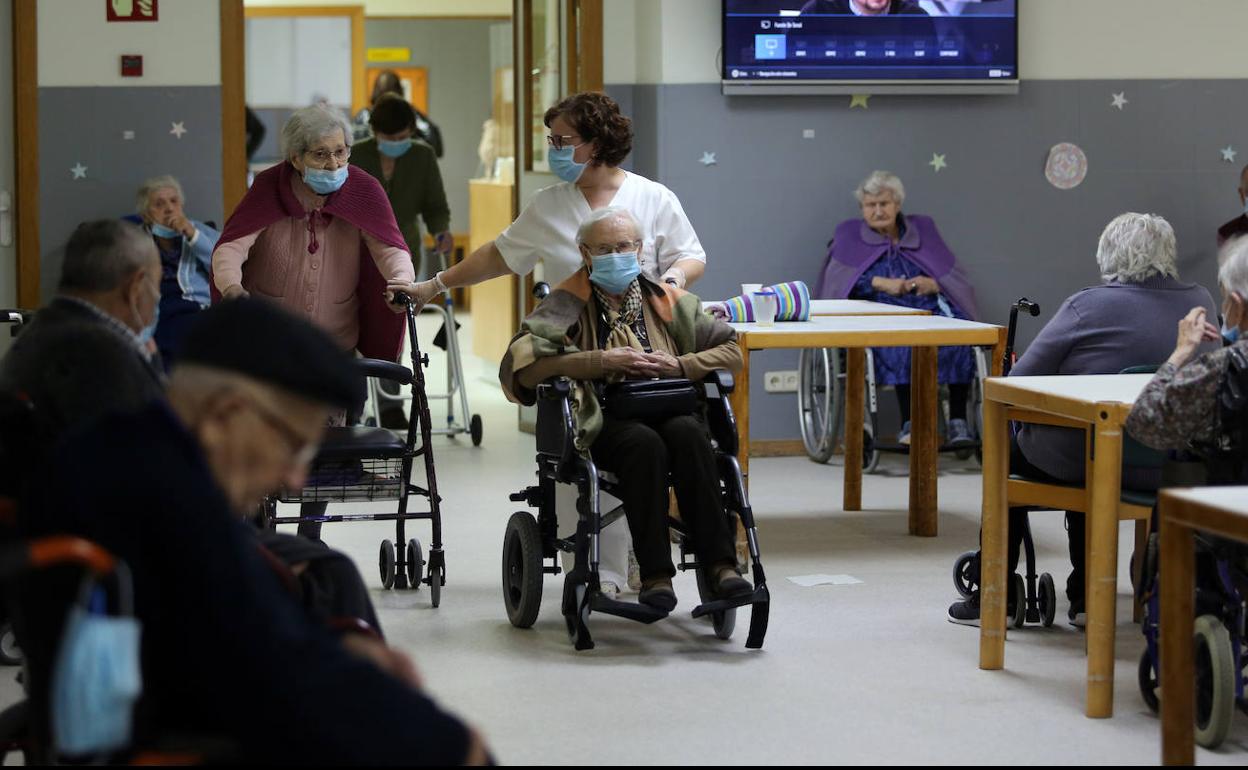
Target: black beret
{"type": "Point", "coordinates": [262, 341]}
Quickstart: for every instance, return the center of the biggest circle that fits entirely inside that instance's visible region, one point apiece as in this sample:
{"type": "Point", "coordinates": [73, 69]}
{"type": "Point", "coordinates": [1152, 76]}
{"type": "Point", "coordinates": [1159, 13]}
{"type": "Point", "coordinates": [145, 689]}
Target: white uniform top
{"type": "Point", "coordinates": [546, 229]}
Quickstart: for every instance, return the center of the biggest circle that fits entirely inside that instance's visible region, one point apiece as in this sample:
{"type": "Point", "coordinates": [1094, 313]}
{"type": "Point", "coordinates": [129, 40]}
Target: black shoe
{"type": "Point", "coordinates": [966, 613]}
{"type": "Point", "coordinates": [1078, 614]}
{"type": "Point", "coordinates": [658, 594]}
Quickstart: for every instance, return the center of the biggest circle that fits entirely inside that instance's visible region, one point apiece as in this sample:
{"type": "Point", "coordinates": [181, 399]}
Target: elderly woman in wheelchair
{"type": "Point", "coordinates": [632, 352]}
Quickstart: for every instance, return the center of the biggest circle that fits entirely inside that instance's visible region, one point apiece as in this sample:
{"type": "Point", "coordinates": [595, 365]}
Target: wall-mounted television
{"type": "Point", "coordinates": [870, 46]}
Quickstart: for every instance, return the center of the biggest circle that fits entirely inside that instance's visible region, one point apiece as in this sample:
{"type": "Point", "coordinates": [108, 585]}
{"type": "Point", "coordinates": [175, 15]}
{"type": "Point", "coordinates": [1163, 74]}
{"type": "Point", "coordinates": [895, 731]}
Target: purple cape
{"type": "Point", "coordinates": [856, 247]}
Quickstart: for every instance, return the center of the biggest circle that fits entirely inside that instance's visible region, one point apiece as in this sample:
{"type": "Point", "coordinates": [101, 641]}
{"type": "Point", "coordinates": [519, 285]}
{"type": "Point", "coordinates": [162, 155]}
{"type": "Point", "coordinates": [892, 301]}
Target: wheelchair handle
{"type": "Point", "coordinates": [541, 290]}
{"type": "Point", "coordinates": [1032, 309]}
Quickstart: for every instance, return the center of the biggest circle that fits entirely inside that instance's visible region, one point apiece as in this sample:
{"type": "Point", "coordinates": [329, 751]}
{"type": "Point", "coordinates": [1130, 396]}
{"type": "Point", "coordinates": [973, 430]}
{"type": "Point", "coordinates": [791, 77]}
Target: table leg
{"type": "Point", "coordinates": [1177, 586]}
{"type": "Point", "coordinates": [739, 399]}
{"type": "Point", "coordinates": [855, 380]}
{"type": "Point", "coordinates": [993, 535]}
{"type": "Point", "coordinates": [923, 441]}
{"type": "Point", "coordinates": [1102, 573]}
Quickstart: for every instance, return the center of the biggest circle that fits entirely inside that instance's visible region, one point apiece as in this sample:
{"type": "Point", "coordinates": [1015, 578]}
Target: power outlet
{"type": "Point", "coordinates": [784, 381]}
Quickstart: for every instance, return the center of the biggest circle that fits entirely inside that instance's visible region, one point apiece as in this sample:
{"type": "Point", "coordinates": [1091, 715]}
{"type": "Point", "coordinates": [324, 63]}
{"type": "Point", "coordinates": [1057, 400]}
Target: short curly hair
{"type": "Point", "coordinates": [596, 118]}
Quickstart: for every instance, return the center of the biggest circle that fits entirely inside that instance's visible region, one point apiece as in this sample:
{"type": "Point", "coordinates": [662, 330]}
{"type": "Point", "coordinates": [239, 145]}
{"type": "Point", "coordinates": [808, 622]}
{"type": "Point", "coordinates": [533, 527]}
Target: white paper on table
{"type": "Point", "coordinates": [806, 581]}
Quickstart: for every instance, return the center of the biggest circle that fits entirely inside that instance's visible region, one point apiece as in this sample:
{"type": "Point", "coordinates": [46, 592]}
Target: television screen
{"type": "Point", "coordinates": [870, 41]}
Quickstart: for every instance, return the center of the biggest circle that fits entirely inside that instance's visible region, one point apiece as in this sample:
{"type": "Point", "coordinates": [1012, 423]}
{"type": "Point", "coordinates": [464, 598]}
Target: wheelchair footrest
{"type": "Point", "coordinates": [759, 595]}
{"type": "Point", "coordinates": [642, 613]}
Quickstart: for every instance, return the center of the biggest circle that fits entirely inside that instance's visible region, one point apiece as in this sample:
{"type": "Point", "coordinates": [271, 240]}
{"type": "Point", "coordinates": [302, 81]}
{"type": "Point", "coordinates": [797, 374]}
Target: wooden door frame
{"type": "Point", "coordinates": [359, 99]}
{"type": "Point", "coordinates": [26, 146]}
{"type": "Point", "coordinates": [233, 106]}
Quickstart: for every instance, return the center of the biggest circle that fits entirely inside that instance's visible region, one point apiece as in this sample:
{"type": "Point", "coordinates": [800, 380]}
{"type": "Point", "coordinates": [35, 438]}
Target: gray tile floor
{"type": "Point", "coordinates": [869, 673]}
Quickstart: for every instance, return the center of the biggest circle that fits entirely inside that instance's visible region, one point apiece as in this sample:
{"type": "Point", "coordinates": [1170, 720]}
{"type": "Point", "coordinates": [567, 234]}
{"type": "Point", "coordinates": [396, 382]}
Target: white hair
{"type": "Point", "coordinates": [143, 198]}
{"type": "Point", "coordinates": [1233, 267]}
{"type": "Point", "coordinates": [309, 125]}
{"type": "Point", "coordinates": [879, 182]}
{"type": "Point", "coordinates": [602, 215]}
{"type": "Point", "coordinates": [1135, 247]}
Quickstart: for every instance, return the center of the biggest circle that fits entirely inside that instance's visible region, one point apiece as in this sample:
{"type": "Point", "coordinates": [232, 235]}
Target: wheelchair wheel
{"type": "Point", "coordinates": [1048, 600]}
{"type": "Point", "coordinates": [474, 429]}
{"type": "Point", "coordinates": [386, 559]}
{"type": "Point", "coordinates": [576, 614]}
{"type": "Point", "coordinates": [724, 622]}
{"type": "Point", "coordinates": [415, 564]}
{"type": "Point", "coordinates": [1020, 600]}
{"type": "Point", "coordinates": [1149, 682]}
{"type": "Point", "coordinates": [966, 574]}
{"type": "Point", "coordinates": [522, 569]}
{"type": "Point", "coordinates": [10, 653]}
{"type": "Point", "coordinates": [1215, 681]}
{"type": "Point", "coordinates": [820, 401]}
{"type": "Point", "coordinates": [437, 579]}
{"type": "Point", "coordinates": [870, 455]}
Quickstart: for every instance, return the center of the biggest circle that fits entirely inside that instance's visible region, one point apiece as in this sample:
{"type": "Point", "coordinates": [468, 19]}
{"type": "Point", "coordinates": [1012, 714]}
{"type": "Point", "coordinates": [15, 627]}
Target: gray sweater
{"type": "Point", "coordinates": [1103, 330]}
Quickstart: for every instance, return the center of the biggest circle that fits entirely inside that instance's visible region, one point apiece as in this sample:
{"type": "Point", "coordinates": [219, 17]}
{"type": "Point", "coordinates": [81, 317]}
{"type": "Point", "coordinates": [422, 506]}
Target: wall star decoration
{"type": "Point", "coordinates": [79, 171]}
{"type": "Point", "coordinates": [708, 159]}
{"type": "Point", "coordinates": [937, 162]}
{"type": "Point", "coordinates": [859, 100]}
{"type": "Point", "coordinates": [178, 128]}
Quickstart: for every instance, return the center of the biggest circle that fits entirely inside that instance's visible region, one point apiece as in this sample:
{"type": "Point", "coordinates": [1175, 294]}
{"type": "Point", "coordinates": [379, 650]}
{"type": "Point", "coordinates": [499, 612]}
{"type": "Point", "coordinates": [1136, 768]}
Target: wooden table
{"type": "Point", "coordinates": [1102, 402]}
{"type": "Point", "coordinates": [1217, 510]}
{"type": "Point", "coordinates": [923, 334]}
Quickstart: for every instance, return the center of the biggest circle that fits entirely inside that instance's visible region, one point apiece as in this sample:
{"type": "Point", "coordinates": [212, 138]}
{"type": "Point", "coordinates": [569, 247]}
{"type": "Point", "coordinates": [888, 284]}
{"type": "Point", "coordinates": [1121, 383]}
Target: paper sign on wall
{"type": "Point", "coordinates": [391, 55]}
{"type": "Point", "coordinates": [131, 10]}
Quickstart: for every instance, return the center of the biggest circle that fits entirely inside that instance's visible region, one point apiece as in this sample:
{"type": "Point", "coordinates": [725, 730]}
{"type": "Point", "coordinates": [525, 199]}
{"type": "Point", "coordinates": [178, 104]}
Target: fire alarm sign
{"type": "Point", "coordinates": [131, 10]}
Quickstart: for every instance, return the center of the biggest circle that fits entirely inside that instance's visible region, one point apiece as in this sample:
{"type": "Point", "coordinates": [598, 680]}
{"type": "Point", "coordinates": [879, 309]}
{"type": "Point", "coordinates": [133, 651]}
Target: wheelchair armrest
{"type": "Point", "coordinates": [384, 370]}
{"type": "Point", "coordinates": [555, 426]}
{"type": "Point", "coordinates": [722, 379]}
{"type": "Point", "coordinates": [554, 388]}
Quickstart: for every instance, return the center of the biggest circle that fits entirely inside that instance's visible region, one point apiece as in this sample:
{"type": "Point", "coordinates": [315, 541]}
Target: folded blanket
{"type": "Point", "coordinates": [792, 304]}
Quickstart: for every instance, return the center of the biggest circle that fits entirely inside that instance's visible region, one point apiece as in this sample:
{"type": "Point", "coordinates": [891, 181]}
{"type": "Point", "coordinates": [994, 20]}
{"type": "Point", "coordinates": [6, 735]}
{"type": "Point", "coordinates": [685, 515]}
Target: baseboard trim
{"type": "Point", "coordinates": [776, 447]}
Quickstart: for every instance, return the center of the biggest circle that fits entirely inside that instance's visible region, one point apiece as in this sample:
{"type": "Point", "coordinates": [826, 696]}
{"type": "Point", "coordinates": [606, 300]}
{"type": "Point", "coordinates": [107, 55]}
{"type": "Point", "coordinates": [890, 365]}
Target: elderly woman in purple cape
{"type": "Point", "coordinates": [900, 259]}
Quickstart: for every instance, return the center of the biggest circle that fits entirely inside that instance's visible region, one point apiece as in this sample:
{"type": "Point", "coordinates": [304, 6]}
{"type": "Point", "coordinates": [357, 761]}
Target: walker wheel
{"type": "Point", "coordinates": [1020, 600]}
{"type": "Point", "coordinates": [475, 428]}
{"type": "Point", "coordinates": [415, 563]}
{"type": "Point", "coordinates": [1047, 600]}
{"type": "Point", "coordinates": [966, 574]}
{"type": "Point", "coordinates": [386, 559]}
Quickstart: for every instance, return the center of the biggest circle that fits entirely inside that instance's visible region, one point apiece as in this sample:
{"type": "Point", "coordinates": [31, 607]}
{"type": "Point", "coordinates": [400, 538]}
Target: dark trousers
{"type": "Point", "coordinates": [642, 455]}
{"type": "Point", "coordinates": [959, 394]}
{"type": "Point", "coordinates": [1075, 527]}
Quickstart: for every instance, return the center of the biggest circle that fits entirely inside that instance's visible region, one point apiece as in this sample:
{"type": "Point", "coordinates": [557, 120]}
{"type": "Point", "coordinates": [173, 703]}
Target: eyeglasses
{"type": "Point", "coordinates": [302, 449]}
{"type": "Point", "coordinates": [623, 247]}
{"type": "Point", "coordinates": [559, 142]}
{"type": "Point", "coordinates": [340, 155]}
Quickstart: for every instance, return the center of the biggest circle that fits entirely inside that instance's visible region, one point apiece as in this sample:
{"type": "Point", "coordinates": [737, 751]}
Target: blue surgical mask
{"type": "Point", "coordinates": [614, 272]}
{"type": "Point", "coordinates": [95, 683]}
{"type": "Point", "coordinates": [323, 181]}
{"type": "Point", "coordinates": [160, 231]}
{"type": "Point", "coordinates": [562, 165]}
{"type": "Point", "coordinates": [394, 149]}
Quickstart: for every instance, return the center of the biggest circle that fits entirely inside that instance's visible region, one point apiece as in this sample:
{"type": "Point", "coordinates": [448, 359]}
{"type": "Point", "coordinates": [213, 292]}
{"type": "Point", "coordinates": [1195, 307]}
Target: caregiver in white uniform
{"type": "Point", "coordinates": [588, 140]}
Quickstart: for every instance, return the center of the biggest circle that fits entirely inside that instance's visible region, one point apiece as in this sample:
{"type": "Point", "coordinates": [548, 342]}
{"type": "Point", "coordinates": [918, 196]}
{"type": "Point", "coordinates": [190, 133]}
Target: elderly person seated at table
{"type": "Point", "coordinates": [1125, 321]}
{"type": "Point", "coordinates": [608, 323]}
{"type": "Point", "coordinates": [317, 235]}
{"type": "Point", "coordinates": [185, 247]}
{"type": "Point", "coordinates": [1179, 407]}
{"type": "Point", "coordinates": [899, 259]}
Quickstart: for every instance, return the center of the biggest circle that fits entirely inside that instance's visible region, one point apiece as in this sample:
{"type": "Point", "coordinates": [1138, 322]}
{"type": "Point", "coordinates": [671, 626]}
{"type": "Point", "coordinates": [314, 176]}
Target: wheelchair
{"type": "Point", "coordinates": [370, 464]}
{"type": "Point", "coordinates": [532, 545]}
{"type": "Point", "coordinates": [821, 407]}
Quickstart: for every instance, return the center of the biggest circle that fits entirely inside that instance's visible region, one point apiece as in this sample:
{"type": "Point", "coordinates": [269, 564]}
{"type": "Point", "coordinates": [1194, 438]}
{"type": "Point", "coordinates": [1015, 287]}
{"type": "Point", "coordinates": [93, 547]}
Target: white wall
{"type": "Point", "coordinates": [407, 7]}
{"type": "Point", "coordinates": [78, 47]}
{"type": "Point", "coordinates": [678, 41]}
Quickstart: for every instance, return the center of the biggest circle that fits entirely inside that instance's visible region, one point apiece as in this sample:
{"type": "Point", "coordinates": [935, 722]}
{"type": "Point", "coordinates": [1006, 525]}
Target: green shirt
{"type": "Point", "coordinates": [415, 190]}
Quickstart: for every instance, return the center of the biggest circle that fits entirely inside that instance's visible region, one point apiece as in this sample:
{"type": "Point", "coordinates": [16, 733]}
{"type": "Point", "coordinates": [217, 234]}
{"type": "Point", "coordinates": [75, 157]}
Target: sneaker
{"type": "Point", "coordinates": [609, 589]}
{"type": "Point", "coordinates": [960, 434]}
{"type": "Point", "coordinates": [1078, 614]}
{"type": "Point", "coordinates": [634, 571]}
{"type": "Point", "coordinates": [658, 593]}
{"type": "Point", "coordinates": [903, 437]}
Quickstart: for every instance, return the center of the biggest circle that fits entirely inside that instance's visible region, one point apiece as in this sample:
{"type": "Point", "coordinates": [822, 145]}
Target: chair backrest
{"type": "Point", "coordinates": [1134, 453]}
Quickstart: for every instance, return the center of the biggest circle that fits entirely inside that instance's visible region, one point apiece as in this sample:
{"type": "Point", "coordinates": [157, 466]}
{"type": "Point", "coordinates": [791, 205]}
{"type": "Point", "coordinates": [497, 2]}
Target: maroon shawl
{"type": "Point", "coordinates": [362, 202]}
